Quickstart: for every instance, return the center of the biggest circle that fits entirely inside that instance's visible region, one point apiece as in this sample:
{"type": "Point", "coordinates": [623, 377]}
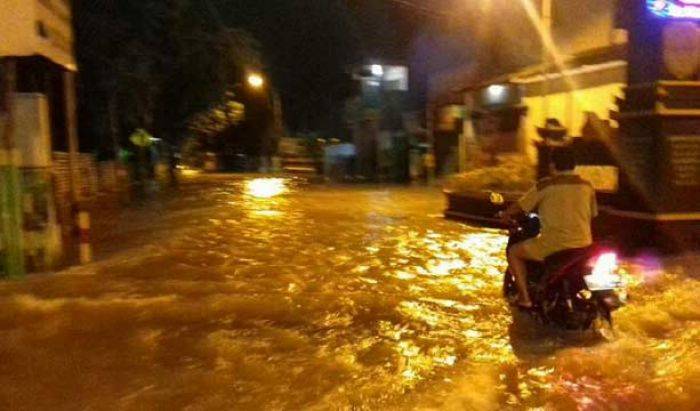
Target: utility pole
{"type": "Point", "coordinates": [11, 247]}
{"type": "Point", "coordinates": [546, 60]}
{"type": "Point", "coordinates": [468, 137]}
{"type": "Point", "coordinates": [72, 130]}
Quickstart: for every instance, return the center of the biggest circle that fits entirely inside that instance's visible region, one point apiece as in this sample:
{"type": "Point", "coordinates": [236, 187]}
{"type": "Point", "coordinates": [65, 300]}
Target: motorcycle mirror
{"type": "Point", "coordinates": [496, 198]}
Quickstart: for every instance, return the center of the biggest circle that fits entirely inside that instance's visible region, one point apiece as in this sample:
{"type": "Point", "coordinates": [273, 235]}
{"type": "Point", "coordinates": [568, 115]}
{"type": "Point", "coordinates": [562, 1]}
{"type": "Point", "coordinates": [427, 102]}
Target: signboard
{"type": "Point", "coordinates": [33, 131]}
{"type": "Point", "coordinates": [685, 160]}
{"type": "Point", "coordinates": [675, 9]}
{"type": "Point", "coordinates": [681, 49]}
{"type": "Point", "coordinates": [37, 27]}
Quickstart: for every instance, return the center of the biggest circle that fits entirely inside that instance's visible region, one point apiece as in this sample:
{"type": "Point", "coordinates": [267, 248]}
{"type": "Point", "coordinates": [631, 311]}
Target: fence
{"type": "Point", "coordinates": [94, 178]}
{"type": "Point", "coordinates": [99, 184]}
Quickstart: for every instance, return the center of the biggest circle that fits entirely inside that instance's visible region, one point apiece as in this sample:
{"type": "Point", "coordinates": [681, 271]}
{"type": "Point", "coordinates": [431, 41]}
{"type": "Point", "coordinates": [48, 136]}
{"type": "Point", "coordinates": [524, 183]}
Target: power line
{"type": "Point", "coordinates": [421, 8]}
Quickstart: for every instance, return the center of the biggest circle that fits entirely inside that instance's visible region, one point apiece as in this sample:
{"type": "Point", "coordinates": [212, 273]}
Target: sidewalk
{"type": "Point", "coordinates": [118, 223]}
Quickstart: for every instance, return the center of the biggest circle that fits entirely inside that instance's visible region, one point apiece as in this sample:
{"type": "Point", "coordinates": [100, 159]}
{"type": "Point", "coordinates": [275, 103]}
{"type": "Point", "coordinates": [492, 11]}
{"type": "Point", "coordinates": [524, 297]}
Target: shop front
{"type": "Point", "coordinates": [631, 110]}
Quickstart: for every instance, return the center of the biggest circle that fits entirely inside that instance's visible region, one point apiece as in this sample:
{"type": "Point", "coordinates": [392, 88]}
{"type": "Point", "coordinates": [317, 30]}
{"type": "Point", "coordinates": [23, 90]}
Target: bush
{"type": "Point", "coordinates": [514, 173]}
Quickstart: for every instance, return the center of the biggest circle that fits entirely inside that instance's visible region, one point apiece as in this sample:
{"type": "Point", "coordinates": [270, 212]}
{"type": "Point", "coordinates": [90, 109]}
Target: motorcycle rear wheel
{"type": "Point", "coordinates": [603, 328]}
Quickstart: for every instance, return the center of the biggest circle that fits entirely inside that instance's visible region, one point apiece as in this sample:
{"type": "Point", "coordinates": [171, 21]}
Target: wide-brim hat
{"type": "Point", "coordinates": [553, 129]}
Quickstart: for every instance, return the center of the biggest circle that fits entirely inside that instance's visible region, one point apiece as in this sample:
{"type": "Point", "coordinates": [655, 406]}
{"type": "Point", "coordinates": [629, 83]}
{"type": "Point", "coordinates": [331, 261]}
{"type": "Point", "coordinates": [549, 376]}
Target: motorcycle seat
{"type": "Point", "coordinates": [559, 264]}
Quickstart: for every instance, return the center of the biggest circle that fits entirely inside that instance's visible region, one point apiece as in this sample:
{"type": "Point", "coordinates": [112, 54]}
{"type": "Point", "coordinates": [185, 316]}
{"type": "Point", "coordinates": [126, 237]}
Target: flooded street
{"type": "Point", "coordinates": [245, 294]}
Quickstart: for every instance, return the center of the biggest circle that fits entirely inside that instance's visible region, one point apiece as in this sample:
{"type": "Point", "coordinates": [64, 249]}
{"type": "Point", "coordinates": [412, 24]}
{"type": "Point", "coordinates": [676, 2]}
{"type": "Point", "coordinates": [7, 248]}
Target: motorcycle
{"type": "Point", "coordinates": [576, 289]}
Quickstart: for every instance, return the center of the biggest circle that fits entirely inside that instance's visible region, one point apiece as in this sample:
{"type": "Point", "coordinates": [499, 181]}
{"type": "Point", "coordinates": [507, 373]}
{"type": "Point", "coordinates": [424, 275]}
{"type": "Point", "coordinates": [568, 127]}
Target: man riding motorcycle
{"type": "Point", "coordinates": [566, 204]}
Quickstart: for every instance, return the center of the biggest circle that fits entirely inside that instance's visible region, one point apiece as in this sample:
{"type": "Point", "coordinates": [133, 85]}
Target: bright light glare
{"type": "Point", "coordinates": [658, 4]}
{"type": "Point", "coordinates": [679, 9]}
{"type": "Point", "coordinates": [256, 80]}
{"type": "Point", "coordinates": [377, 70]}
{"type": "Point", "coordinates": [187, 172]}
{"type": "Point", "coordinates": [496, 93]}
{"type": "Point", "coordinates": [604, 275]}
{"type": "Point", "coordinates": [266, 187]}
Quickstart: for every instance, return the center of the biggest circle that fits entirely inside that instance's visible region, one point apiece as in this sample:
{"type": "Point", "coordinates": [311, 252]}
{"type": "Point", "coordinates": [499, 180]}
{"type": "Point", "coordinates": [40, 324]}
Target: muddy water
{"type": "Point", "coordinates": [279, 295]}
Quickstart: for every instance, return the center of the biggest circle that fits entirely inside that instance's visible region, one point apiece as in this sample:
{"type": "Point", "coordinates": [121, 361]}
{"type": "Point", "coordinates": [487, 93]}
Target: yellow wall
{"type": "Point", "coordinates": [19, 35]}
{"type": "Point", "coordinates": [569, 109]}
{"type": "Point", "coordinates": [17, 19]}
{"type": "Point", "coordinates": [56, 17]}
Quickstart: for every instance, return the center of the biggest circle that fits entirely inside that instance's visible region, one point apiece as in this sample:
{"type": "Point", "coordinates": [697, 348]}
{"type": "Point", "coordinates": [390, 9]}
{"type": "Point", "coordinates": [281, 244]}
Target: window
{"type": "Point", "coordinates": [41, 30]}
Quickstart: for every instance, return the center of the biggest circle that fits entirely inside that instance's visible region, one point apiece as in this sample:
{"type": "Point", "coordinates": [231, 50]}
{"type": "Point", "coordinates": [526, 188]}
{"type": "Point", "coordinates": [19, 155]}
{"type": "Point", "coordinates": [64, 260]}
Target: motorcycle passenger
{"type": "Point", "coordinates": [566, 204]}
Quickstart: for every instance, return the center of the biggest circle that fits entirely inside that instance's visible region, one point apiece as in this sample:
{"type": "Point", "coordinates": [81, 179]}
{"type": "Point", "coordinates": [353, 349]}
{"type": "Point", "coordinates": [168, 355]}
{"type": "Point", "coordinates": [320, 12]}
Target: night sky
{"type": "Point", "coordinates": [308, 48]}
{"type": "Point", "coordinates": [309, 45]}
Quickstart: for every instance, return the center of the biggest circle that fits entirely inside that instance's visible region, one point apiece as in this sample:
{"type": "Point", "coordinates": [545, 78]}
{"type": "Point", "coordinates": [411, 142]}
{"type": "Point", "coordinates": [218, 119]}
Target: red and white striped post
{"type": "Point", "coordinates": [84, 236]}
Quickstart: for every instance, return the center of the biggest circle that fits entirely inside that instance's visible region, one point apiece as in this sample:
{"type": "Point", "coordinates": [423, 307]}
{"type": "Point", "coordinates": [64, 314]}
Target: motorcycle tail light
{"type": "Point", "coordinates": [604, 273]}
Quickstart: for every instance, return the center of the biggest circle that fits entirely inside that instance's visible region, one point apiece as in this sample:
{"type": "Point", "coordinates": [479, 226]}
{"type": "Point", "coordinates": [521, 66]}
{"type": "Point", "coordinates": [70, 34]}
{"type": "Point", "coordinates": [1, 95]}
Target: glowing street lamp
{"type": "Point", "coordinates": [256, 81]}
{"type": "Point", "coordinates": [377, 70]}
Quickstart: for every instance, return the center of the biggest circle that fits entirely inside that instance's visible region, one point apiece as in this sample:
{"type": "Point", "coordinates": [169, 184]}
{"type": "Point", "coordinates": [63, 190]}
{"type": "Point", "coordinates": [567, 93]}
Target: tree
{"type": "Point", "coordinates": [310, 46]}
{"type": "Point", "coordinates": [212, 122]}
{"type": "Point", "coordinates": [153, 64]}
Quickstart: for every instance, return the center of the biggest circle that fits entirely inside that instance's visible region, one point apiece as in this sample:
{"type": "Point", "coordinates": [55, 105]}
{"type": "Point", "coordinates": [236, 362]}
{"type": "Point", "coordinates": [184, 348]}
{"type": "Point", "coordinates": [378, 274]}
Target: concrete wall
{"type": "Point", "coordinates": [32, 130]}
{"type": "Point", "coordinates": [580, 90]}
{"type": "Point", "coordinates": [570, 108]}
{"type": "Point", "coordinates": [43, 27]}
{"type": "Point", "coordinates": [17, 27]}
{"type": "Point", "coordinates": [55, 15]}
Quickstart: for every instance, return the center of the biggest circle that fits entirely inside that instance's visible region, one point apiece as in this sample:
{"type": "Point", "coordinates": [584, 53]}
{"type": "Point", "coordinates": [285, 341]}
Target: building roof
{"type": "Point", "coordinates": [589, 60]}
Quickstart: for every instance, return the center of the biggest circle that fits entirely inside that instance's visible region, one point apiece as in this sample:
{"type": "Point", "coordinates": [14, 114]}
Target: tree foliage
{"type": "Point", "coordinates": [218, 118]}
{"type": "Point", "coordinates": [310, 46]}
{"type": "Point", "coordinates": [154, 64]}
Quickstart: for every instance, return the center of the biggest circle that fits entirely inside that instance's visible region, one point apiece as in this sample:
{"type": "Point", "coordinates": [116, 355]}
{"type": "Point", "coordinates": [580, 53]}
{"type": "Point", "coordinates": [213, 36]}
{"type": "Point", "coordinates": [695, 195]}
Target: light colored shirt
{"type": "Point", "coordinates": [566, 204]}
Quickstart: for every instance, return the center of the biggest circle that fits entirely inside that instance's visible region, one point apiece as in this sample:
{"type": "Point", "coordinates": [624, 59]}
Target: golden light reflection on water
{"type": "Point", "coordinates": [444, 326]}
{"type": "Point", "coordinates": [265, 198]}
{"type": "Point", "coordinates": [424, 312]}
{"type": "Point", "coordinates": [287, 303]}
{"type": "Point", "coordinates": [266, 213]}
{"type": "Point", "coordinates": [433, 316]}
{"type": "Point", "coordinates": [266, 187]}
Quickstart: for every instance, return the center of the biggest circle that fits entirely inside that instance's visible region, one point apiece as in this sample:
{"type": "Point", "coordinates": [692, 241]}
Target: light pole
{"type": "Point", "coordinates": [547, 6]}
{"type": "Point", "coordinates": [257, 82]}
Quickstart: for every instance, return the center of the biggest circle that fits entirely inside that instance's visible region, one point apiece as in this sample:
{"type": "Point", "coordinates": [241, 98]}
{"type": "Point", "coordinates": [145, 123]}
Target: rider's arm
{"type": "Point", "coordinates": [594, 205]}
{"type": "Point", "coordinates": [513, 211]}
{"type": "Point", "coordinates": [526, 204]}
{"type": "Point", "coordinates": [529, 202]}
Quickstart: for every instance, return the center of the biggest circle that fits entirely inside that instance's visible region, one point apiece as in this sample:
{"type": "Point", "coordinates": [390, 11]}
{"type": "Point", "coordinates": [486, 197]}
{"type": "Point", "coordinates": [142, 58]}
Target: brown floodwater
{"type": "Point", "coordinates": [273, 294]}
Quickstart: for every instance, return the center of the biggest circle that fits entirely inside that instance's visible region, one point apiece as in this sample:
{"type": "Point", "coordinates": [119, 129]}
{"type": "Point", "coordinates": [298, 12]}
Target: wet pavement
{"type": "Point", "coordinates": [242, 294]}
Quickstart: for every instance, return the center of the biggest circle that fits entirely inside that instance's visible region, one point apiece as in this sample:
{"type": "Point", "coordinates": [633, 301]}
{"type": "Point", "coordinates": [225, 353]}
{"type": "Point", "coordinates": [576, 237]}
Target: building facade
{"type": "Point", "coordinates": [375, 117]}
{"type": "Point", "coordinates": [623, 76]}
{"type": "Point", "coordinates": [580, 68]}
{"type": "Point", "coordinates": [37, 49]}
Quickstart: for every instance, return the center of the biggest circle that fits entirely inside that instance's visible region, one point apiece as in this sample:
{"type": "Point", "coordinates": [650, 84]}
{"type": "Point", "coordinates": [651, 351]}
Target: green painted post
{"type": "Point", "coordinates": [11, 211]}
{"type": "Point", "coordinates": [11, 249]}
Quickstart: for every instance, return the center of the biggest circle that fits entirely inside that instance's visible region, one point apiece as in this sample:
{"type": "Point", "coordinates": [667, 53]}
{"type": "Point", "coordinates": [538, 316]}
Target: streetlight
{"type": "Point", "coordinates": [256, 81]}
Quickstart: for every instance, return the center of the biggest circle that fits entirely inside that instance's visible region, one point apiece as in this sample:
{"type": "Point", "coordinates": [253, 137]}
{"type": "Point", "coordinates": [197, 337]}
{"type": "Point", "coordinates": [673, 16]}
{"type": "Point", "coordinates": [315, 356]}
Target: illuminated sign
{"type": "Point", "coordinates": [676, 9]}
